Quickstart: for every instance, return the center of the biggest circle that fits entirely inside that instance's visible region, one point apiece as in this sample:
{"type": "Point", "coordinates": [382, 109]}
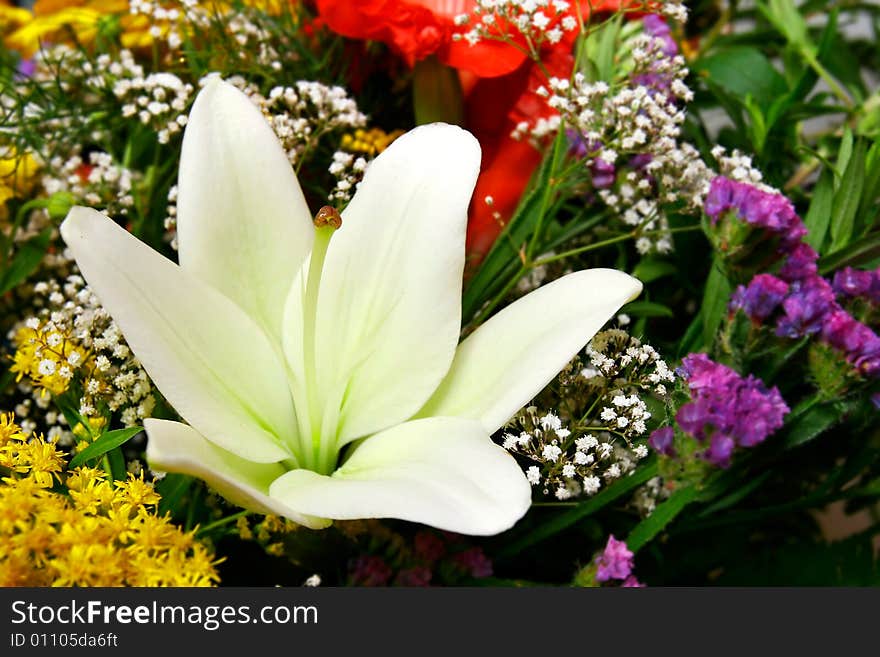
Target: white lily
{"type": "Point", "coordinates": [319, 370]}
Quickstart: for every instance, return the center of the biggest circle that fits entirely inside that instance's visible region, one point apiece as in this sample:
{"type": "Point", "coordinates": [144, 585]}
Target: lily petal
{"type": "Point", "coordinates": [176, 447]}
{"type": "Point", "coordinates": [512, 356]}
{"type": "Point", "coordinates": [443, 472]}
{"type": "Point", "coordinates": [208, 358]}
{"type": "Point", "coordinates": [243, 225]}
{"type": "Point", "coordinates": [389, 306]}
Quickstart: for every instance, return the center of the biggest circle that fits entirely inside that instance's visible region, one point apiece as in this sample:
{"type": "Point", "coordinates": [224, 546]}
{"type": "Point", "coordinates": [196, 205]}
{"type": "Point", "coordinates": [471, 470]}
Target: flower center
{"type": "Point", "coordinates": [321, 459]}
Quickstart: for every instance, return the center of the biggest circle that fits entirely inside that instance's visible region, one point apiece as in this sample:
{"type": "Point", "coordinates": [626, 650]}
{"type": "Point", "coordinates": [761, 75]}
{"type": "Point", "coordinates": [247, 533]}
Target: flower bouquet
{"type": "Point", "coordinates": [479, 292]}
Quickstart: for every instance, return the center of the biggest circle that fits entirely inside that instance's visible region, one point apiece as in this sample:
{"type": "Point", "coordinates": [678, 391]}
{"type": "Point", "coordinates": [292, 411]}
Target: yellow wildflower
{"type": "Point", "coordinates": [100, 533]}
{"type": "Point", "coordinates": [48, 357]}
{"type": "Point", "coordinates": [370, 142]}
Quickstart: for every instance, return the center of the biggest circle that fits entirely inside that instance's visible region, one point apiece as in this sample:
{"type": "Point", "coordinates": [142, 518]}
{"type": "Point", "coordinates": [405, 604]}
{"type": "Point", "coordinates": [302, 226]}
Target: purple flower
{"type": "Point", "coordinates": [474, 562]}
{"type": "Point", "coordinates": [805, 307]}
{"type": "Point", "coordinates": [720, 450]}
{"type": "Point", "coordinates": [851, 282]}
{"type": "Point", "coordinates": [656, 27]}
{"type": "Point", "coordinates": [762, 296]}
{"type": "Point", "coordinates": [727, 409]}
{"type": "Point", "coordinates": [661, 440]}
{"type": "Point", "coordinates": [416, 576]}
{"type": "Point", "coordinates": [429, 547]}
{"type": "Point", "coordinates": [800, 263]}
{"type": "Point", "coordinates": [632, 583]}
{"type": "Point", "coordinates": [369, 570]}
{"type": "Point", "coordinates": [603, 173]}
{"type": "Point", "coordinates": [616, 562]}
{"type": "Point", "coordinates": [768, 210]}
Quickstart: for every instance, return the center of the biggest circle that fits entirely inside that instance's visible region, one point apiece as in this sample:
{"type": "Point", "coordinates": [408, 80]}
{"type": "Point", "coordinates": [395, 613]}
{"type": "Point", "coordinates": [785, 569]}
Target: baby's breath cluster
{"type": "Point", "coordinates": [596, 435]}
{"type": "Point", "coordinates": [303, 113]}
{"type": "Point", "coordinates": [532, 22]}
{"type": "Point", "coordinates": [96, 179]}
{"type": "Point", "coordinates": [159, 100]}
{"type": "Point", "coordinates": [75, 527]}
{"type": "Point", "coordinates": [71, 344]}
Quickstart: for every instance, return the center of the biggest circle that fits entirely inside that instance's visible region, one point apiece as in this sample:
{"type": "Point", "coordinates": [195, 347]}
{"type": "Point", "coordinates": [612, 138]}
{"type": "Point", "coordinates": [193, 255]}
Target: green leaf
{"type": "Point", "coordinates": [811, 424]}
{"type": "Point", "coordinates": [649, 269]}
{"type": "Point", "coordinates": [606, 48]}
{"type": "Point", "coordinates": [844, 153]}
{"type": "Point", "coordinates": [715, 300]}
{"type": "Point", "coordinates": [647, 309]}
{"type": "Point", "coordinates": [503, 259]}
{"type": "Point", "coordinates": [173, 487]}
{"type": "Point", "coordinates": [25, 262]}
{"type": "Point", "coordinates": [847, 199]}
{"type": "Point", "coordinates": [744, 71]}
{"type": "Point", "coordinates": [819, 215]}
{"type": "Point", "coordinates": [647, 529]}
{"type": "Point", "coordinates": [564, 520]}
{"type": "Point", "coordinates": [860, 252]}
{"type": "Point", "coordinates": [104, 443]}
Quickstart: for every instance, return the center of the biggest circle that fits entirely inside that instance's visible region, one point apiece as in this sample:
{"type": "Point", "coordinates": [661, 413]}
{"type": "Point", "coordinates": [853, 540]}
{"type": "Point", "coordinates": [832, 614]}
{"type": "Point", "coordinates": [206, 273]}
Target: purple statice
{"type": "Point", "coordinates": [727, 409]}
{"type": "Point", "coordinates": [603, 173]}
{"type": "Point", "coordinates": [615, 562]}
{"type": "Point", "coordinates": [474, 562]}
{"type": "Point", "coordinates": [805, 308]}
{"type": "Point", "coordinates": [768, 210]}
{"type": "Point", "coordinates": [429, 547]}
{"type": "Point", "coordinates": [760, 298]}
{"type": "Point", "coordinates": [860, 344]}
{"type": "Point", "coordinates": [855, 283]}
{"type": "Point", "coordinates": [658, 28]}
{"type": "Point", "coordinates": [369, 570]}
{"type": "Point", "coordinates": [415, 576]}
{"type": "Point", "coordinates": [661, 440]}
{"type": "Point", "coordinates": [800, 263]}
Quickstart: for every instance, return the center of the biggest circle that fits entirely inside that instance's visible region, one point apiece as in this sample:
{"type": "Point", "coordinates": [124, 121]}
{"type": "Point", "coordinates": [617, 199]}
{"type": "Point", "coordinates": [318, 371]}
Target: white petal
{"type": "Point", "coordinates": [443, 472]}
{"type": "Point", "coordinates": [242, 222]}
{"type": "Point", "coordinates": [176, 447]}
{"type": "Point", "coordinates": [208, 358]}
{"type": "Point", "coordinates": [389, 308]}
{"type": "Point", "coordinates": [510, 358]}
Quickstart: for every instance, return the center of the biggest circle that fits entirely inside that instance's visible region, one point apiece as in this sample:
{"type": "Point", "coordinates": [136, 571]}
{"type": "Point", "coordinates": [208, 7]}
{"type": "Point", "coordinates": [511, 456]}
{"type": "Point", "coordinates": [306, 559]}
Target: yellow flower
{"type": "Point", "coordinates": [370, 142]}
{"type": "Point", "coordinates": [98, 534]}
{"type": "Point", "coordinates": [12, 17]}
{"type": "Point", "coordinates": [87, 18]}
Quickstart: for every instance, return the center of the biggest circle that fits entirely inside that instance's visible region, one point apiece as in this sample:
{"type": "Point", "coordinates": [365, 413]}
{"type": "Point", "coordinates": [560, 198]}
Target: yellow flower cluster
{"type": "Point", "coordinates": [370, 142]}
{"type": "Point", "coordinates": [49, 357]}
{"type": "Point", "coordinates": [52, 20]}
{"type": "Point", "coordinates": [268, 532]}
{"type": "Point", "coordinates": [100, 533]}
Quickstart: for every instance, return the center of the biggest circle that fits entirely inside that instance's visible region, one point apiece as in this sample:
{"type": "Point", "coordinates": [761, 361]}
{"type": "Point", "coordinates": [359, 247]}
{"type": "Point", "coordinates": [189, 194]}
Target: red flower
{"type": "Point", "coordinates": [416, 29]}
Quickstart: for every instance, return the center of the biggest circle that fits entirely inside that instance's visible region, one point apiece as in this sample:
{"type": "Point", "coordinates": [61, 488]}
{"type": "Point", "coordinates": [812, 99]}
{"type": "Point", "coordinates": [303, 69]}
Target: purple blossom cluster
{"type": "Point", "coordinates": [656, 27]}
{"type": "Point", "coordinates": [804, 303]}
{"type": "Point", "coordinates": [852, 283]}
{"type": "Point", "coordinates": [726, 409]}
{"type": "Point", "coordinates": [616, 563]}
{"type": "Point", "coordinates": [429, 553]}
{"type": "Point", "coordinates": [770, 211]}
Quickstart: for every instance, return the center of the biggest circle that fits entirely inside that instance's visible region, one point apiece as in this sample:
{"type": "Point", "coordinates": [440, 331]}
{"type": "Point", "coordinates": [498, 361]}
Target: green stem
{"type": "Point", "coordinates": [222, 522]}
